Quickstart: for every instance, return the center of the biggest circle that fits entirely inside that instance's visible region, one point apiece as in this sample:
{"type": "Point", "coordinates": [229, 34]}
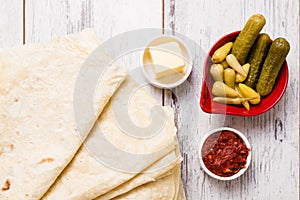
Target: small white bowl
{"type": "Point", "coordinates": [170, 81]}
{"type": "Point", "coordinates": [242, 171]}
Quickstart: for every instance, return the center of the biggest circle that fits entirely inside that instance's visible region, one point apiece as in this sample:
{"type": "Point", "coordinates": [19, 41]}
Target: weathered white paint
{"type": "Point", "coordinates": [46, 19]}
{"type": "Point", "coordinates": [11, 23]}
{"type": "Point", "coordinates": [274, 171]}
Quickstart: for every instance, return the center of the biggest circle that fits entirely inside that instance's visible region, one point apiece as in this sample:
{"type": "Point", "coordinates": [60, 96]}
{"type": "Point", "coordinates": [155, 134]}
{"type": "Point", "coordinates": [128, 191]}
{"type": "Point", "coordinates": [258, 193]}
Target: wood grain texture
{"type": "Point", "coordinates": [11, 23]}
{"type": "Point", "coordinates": [46, 19]}
{"type": "Point", "coordinates": [274, 170]}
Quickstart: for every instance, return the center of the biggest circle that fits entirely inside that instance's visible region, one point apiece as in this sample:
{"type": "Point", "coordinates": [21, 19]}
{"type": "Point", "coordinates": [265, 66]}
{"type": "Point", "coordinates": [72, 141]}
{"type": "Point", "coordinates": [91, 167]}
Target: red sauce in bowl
{"type": "Point", "coordinates": [224, 153]}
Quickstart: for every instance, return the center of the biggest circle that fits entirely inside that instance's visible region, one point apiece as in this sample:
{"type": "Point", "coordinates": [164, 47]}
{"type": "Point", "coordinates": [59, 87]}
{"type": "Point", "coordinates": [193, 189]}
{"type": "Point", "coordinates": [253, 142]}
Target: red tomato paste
{"type": "Point", "coordinates": [224, 153]}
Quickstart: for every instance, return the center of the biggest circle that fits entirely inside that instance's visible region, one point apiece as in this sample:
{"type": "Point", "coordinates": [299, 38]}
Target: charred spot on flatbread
{"type": "Point", "coordinates": [6, 185]}
{"type": "Point", "coordinates": [45, 160]}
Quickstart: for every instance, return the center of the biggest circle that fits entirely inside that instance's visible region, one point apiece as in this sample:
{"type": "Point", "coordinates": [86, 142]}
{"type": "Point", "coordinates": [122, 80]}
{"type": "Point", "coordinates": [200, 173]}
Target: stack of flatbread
{"type": "Point", "coordinates": [52, 147]}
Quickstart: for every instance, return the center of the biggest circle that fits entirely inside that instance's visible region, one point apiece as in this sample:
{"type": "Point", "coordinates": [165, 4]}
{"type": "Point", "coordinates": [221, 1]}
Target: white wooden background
{"type": "Point", "coordinates": [274, 171]}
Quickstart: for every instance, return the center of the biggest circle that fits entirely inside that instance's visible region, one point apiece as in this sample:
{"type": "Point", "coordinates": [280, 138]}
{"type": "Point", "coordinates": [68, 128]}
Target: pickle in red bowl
{"type": "Point", "coordinates": [206, 99]}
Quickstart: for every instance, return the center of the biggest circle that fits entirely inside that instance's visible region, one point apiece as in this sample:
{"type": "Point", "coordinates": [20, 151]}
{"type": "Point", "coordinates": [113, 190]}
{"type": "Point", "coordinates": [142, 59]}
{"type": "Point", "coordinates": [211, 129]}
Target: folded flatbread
{"type": "Point", "coordinates": [38, 132]}
{"type": "Point", "coordinates": [152, 173]}
{"type": "Point", "coordinates": [181, 194]}
{"type": "Point", "coordinates": [112, 156]}
{"type": "Point", "coordinates": [149, 175]}
{"type": "Point", "coordinates": [164, 188]}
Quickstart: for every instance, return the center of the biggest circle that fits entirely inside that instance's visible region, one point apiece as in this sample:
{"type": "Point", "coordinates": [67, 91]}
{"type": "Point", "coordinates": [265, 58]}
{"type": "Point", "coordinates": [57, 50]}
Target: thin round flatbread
{"type": "Point", "coordinates": [38, 132]}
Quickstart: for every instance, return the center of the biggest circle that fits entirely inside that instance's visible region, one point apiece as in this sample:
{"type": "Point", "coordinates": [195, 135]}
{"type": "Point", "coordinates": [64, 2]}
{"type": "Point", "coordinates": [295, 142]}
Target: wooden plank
{"type": "Point", "coordinates": [46, 19]}
{"type": "Point", "coordinates": [114, 17]}
{"type": "Point", "coordinates": [273, 173]}
{"type": "Point", "coordinates": [11, 18]}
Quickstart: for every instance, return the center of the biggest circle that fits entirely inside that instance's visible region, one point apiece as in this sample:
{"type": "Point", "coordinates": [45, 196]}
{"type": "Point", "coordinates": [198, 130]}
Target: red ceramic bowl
{"type": "Point", "coordinates": [209, 106]}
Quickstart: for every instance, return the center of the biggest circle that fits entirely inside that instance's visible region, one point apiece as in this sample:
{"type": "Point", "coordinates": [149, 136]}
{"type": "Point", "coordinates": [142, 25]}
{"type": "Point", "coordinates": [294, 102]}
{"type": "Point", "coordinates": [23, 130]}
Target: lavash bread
{"type": "Point", "coordinates": [40, 136]}
{"type": "Point", "coordinates": [163, 188]}
{"type": "Point", "coordinates": [152, 174]}
{"type": "Point", "coordinates": [181, 194]}
{"type": "Point", "coordinates": [38, 132]}
{"type": "Point", "coordinates": [87, 177]}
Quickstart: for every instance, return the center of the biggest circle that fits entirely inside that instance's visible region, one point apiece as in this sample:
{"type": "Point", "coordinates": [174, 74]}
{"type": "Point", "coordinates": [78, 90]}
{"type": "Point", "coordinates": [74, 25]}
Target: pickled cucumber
{"type": "Point", "coordinates": [256, 59]}
{"type": "Point", "coordinates": [247, 37]}
{"type": "Point", "coordinates": [279, 49]}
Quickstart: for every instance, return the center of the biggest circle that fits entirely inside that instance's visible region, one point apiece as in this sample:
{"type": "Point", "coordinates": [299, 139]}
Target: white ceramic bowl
{"type": "Point", "coordinates": [242, 171]}
{"type": "Point", "coordinates": [165, 82]}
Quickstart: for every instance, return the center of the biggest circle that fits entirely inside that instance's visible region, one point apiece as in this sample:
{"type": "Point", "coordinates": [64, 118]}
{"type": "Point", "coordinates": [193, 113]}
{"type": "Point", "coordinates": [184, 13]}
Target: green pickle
{"type": "Point", "coordinates": [247, 37]}
{"type": "Point", "coordinates": [279, 49]}
{"type": "Point", "coordinates": [256, 59]}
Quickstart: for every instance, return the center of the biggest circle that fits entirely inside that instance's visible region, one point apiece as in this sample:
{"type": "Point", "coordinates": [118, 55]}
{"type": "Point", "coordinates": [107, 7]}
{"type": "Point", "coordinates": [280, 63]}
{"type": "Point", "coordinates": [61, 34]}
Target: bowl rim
{"type": "Point", "coordinates": [180, 81]}
{"type": "Point", "coordinates": [245, 140]}
{"type": "Point", "coordinates": [230, 112]}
